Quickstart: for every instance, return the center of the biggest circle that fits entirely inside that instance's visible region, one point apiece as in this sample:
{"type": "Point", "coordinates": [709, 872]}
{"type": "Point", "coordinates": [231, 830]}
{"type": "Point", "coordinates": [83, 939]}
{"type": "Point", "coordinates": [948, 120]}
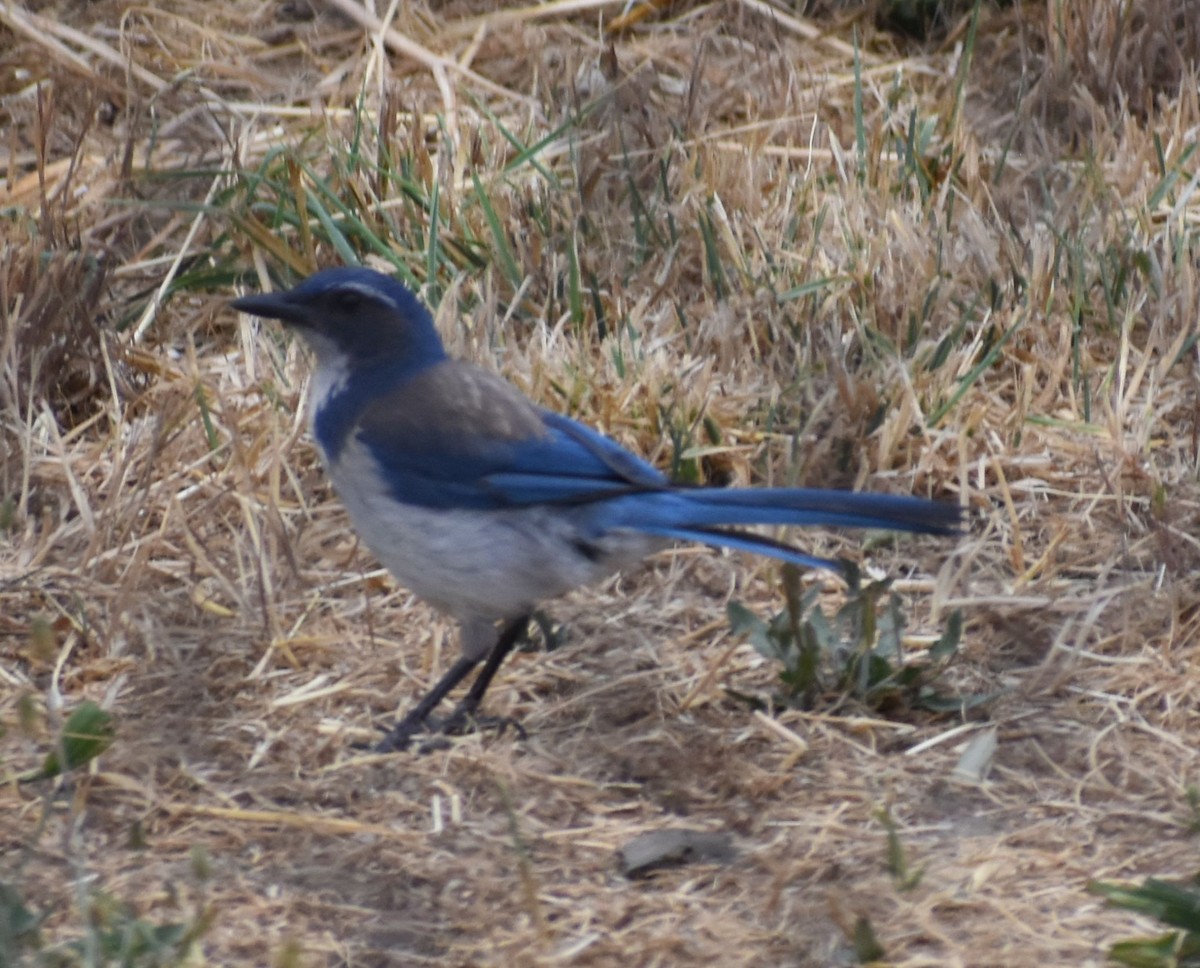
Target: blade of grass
{"type": "Point", "coordinates": [501, 248]}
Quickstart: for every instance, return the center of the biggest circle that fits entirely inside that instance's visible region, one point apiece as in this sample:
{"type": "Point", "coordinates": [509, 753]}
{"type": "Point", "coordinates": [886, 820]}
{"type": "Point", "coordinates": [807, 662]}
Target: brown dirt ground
{"type": "Point", "coordinates": [215, 601]}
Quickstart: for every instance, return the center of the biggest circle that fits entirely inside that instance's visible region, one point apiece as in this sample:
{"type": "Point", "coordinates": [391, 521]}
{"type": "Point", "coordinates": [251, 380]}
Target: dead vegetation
{"type": "Point", "coordinates": [727, 237]}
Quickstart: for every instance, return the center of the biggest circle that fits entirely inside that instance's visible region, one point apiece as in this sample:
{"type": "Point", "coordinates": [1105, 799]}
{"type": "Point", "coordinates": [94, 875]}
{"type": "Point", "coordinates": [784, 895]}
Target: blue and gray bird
{"type": "Point", "coordinates": [483, 503]}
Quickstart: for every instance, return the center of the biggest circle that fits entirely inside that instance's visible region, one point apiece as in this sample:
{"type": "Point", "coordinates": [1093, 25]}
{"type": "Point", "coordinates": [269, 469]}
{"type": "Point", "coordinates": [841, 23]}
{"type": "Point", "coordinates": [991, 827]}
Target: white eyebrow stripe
{"type": "Point", "coordinates": [371, 292]}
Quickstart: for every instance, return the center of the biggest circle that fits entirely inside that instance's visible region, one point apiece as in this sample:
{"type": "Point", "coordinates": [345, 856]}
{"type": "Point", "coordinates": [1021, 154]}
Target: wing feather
{"type": "Point", "coordinates": [457, 436]}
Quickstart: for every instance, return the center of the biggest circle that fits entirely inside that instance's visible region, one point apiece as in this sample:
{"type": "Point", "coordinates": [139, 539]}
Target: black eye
{"type": "Point", "coordinates": [348, 301]}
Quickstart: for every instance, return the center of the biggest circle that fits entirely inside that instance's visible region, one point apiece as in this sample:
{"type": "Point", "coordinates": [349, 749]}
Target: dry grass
{"type": "Point", "coordinates": [172, 551]}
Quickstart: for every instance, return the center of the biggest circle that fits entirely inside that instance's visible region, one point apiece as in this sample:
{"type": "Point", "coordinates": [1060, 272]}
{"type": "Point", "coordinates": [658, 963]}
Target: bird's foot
{"type": "Point", "coordinates": [435, 732]}
{"type": "Point", "coordinates": [399, 736]}
{"type": "Point", "coordinates": [463, 721]}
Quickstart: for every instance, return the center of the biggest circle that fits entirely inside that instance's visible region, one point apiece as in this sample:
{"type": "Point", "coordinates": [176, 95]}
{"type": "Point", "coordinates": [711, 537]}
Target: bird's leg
{"type": "Point", "coordinates": [417, 719]}
{"type": "Point", "coordinates": [464, 712]}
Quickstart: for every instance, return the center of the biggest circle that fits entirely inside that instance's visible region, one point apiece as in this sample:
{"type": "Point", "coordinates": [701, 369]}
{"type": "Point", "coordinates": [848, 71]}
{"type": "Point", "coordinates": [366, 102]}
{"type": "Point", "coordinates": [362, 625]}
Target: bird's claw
{"type": "Point", "coordinates": [436, 731]}
{"type": "Point", "coordinates": [461, 722]}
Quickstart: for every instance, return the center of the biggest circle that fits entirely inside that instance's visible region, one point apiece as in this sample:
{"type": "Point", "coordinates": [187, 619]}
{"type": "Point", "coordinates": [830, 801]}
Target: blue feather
{"type": "Point", "coordinates": [484, 504]}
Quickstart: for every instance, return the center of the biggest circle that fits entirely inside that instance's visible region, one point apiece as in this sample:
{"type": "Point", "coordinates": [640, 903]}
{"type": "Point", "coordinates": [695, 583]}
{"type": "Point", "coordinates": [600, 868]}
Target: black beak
{"type": "Point", "coordinates": [273, 305]}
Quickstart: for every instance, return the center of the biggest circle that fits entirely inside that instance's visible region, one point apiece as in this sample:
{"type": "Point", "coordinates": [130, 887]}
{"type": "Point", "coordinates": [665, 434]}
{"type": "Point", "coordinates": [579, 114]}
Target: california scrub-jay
{"type": "Point", "coordinates": [481, 502]}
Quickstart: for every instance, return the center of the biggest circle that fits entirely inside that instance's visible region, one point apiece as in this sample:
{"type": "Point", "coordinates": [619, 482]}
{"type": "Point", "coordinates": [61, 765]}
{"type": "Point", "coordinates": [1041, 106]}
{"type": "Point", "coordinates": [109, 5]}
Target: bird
{"type": "Point", "coordinates": [484, 504]}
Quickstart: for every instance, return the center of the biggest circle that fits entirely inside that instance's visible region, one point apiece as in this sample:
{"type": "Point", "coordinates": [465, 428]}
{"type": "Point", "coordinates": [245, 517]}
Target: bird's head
{"type": "Point", "coordinates": [354, 317]}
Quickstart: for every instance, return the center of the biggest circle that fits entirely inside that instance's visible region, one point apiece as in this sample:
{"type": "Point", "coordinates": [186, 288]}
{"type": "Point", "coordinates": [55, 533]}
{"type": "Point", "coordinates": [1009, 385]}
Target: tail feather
{"type": "Point", "coordinates": [702, 515]}
{"type": "Point", "coordinates": [714, 507]}
{"type": "Point", "coordinates": [743, 541]}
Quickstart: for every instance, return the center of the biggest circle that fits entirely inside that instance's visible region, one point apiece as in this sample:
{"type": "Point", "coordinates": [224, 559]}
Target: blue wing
{"type": "Point", "coordinates": [456, 436]}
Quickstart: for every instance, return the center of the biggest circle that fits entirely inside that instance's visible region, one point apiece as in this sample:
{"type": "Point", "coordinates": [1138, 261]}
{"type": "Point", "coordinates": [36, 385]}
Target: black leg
{"type": "Point", "coordinates": [398, 736]}
{"type": "Point", "coordinates": [417, 719]}
{"type": "Point", "coordinates": [465, 711]}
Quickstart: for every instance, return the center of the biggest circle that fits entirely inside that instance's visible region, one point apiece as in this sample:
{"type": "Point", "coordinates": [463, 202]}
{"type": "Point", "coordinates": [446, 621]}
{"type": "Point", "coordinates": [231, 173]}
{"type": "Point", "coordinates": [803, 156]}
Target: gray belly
{"type": "Point", "coordinates": [476, 564]}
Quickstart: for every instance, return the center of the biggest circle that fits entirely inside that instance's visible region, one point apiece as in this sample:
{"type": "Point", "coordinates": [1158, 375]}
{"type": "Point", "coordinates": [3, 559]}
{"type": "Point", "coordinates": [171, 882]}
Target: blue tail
{"type": "Point", "coordinates": [699, 514]}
